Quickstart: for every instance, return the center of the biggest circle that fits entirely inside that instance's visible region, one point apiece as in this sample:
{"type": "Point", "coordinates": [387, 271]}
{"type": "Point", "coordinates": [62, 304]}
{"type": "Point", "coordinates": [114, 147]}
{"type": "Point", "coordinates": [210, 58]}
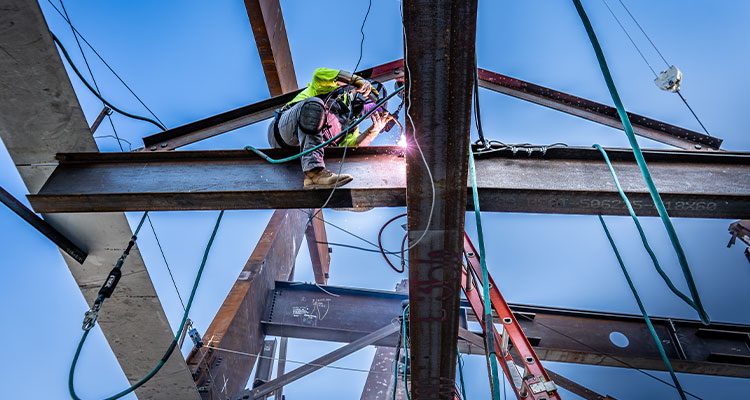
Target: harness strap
{"type": "Point", "coordinates": [277, 134]}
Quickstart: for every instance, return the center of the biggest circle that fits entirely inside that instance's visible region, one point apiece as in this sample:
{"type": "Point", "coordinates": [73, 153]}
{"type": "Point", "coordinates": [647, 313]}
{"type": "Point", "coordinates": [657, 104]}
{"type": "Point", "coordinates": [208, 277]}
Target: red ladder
{"type": "Point", "coordinates": [531, 383]}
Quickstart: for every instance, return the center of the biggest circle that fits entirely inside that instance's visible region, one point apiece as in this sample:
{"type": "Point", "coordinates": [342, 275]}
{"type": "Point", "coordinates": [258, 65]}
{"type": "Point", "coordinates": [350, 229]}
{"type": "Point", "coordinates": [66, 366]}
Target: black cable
{"type": "Point", "coordinates": [362, 31]}
{"type": "Point", "coordinates": [104, 61]}
{"type": "Point", "coordinates": [532, 319]}
{"type": "Point", "coordinates": [93, 79]}
{"type": "Point", "coordinates": [396, 253]}
{"type": "Point", "coordinates": [165, 262]}
{"type": "Point", "coordinates": [477, 114]}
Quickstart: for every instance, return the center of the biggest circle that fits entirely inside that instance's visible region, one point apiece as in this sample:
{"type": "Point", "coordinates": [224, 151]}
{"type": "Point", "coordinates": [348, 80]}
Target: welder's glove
{"type": "Point", "coordinates": [363, 85]}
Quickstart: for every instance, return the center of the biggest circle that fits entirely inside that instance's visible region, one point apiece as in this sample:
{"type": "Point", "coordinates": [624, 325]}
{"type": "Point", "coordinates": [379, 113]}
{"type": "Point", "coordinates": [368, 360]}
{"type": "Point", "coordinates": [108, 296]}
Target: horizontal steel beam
{"type": "Point", "coordinates": [247, 115]}
{"type": "Point", "coordinates": [562, 181]}
{"type": "Point", "coordinates": [597, 112]}
{"type": "Point", "coordinates": [304, 311]}
{"type": "Point", "coordinates": [567, 103]}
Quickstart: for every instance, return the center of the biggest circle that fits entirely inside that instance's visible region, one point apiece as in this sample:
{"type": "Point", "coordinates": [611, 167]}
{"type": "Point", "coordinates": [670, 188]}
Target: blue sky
{"type": "Point", "coordinates": [192, 59]}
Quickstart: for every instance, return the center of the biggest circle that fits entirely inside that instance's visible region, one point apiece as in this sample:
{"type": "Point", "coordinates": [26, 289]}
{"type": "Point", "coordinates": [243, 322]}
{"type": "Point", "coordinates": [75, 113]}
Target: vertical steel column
{"type": "Point", "coordinates": [317, 243]}
{"type": "Point", "coordinates": [439, 53]}
{"type": "Point", "coordinates": [265, 364]}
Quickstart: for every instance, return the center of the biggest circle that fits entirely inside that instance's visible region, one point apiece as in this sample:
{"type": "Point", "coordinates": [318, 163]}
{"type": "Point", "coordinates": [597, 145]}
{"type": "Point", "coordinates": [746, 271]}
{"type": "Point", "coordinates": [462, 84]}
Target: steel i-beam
{"type": "Point", "coordinates": [439, 39]}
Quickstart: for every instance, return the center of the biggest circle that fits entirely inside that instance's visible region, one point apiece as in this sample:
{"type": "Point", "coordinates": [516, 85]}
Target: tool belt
{"type": "Point", "coordinates": [276, 134]}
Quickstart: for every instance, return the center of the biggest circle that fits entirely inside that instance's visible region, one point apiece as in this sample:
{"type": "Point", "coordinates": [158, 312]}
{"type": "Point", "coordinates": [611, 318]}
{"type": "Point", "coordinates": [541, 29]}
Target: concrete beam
{"type": "Point", "coordinates": [39, 117]}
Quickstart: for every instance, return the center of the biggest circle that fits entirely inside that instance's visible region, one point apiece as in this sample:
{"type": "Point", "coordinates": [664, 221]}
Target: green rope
{"type": "Point", "coordinates": [110, 105]}
{"type": "Point", "coordinates": [643, 311]}
{"type": "Point", "coordinates": [629, 206]}
{"type": "Point", "coordinates": [327, 142]}
{"type": "Point", "coordinates": [461, 373]}
{"type": "Point", "coordinates": [489, 327]}
{"type": "Point", "coordinates": [642, 164]}
{"type": "Point", "coordinates": [176, 339]}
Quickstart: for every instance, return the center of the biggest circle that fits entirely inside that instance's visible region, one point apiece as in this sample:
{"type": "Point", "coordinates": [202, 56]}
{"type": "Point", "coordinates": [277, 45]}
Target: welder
{"type": "Point", "coordinates": [333, 100]}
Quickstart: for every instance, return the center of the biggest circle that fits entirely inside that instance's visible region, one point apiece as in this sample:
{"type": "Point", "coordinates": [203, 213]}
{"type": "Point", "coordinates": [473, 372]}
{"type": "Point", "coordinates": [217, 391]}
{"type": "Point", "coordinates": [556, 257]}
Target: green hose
{"type": "Point", "coordinates": [80, 76]}
{"type": "Point", "coordinates": [643, 311]}
{"type": "Point", "coordinates": [327, 142]}
{"type": "Point", "coordinates": [176, 339]}
{"type": "Point", "coordinates": [489, 327]}
{"type": "Point", "coordinates": [642, 164]}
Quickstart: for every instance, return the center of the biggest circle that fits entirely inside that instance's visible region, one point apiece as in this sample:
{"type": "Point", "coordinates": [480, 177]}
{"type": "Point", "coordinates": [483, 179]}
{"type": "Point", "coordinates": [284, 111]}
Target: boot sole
{"type": "Point", "coordinates": [341, 182]}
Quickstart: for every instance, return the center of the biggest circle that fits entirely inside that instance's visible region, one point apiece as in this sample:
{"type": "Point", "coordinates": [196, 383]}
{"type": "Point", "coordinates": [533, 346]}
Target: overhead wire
{"type": "Point", "coordinates": [164, 257]}
{"type": "Point", "coordinates": [679, 93]}
{"type": "Point", "coordinates": [93, 79]}
{"type": "Point", "coordinates": [640, 160]}
{"type": "Point", "coordinates": [105, 62]}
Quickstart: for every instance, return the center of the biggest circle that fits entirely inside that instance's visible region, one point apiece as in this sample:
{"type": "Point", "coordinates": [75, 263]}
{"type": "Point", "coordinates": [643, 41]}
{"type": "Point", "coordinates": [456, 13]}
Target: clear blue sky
{"type": "Point", "coordinates": [192, 59]}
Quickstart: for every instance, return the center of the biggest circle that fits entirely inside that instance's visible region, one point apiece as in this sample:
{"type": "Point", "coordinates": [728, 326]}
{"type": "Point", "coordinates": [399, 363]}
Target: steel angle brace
{"type": "Point", "coordinates": [320, 362]}
{"type": "Point", "coordinates": [533, 382]}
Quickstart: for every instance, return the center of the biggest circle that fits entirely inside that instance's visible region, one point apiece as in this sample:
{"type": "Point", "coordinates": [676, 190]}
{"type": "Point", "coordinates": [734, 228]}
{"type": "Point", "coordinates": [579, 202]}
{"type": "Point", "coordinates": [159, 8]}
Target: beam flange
{"type": "Point", "coordinates": [557, 334]}
{"type": "Point", "coordinates": [562, 181]}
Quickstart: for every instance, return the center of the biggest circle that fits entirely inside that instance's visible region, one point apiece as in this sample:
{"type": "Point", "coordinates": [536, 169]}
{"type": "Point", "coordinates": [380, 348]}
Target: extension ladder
{"type": "Point", "coordinates": [531, 383]}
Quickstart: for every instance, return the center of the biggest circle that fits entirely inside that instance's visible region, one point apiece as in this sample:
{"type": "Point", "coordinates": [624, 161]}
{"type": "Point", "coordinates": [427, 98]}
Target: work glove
{"type": "Point", "coordinates": [379, 120]}
{"type": "Point", "coordinates": [363, 85]}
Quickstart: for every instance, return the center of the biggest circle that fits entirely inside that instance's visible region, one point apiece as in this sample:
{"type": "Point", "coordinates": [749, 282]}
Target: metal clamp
{"type": "Point", "coordinates": [89, 319]}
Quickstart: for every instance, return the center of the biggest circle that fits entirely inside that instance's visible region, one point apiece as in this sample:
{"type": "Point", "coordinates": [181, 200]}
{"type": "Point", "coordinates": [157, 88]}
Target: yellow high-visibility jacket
{"type": "Point", "coordinates": [323, 82]}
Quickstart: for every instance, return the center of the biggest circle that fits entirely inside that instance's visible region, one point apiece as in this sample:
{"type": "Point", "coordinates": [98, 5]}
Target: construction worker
{"type": "Point", "coordinates": [319, 113]}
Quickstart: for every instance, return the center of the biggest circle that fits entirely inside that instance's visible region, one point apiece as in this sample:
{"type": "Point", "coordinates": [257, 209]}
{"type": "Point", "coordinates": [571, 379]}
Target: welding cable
{"type": "Point", "coordinates": [405, 343]}
{"type": "Point", "coordinates": [642, 163]}
{"type": "Point", "coordinates": [489, 325]}
{"type": "Point", "coordinates": [327, 142]}
{"type": "Point", "coordinates": [650, 252]}
{"type": "Point", "coordinates": [460, 362]}
{"type": "Point", "coordinates": [103, 100]}
{"type": "Point", "coordinates": [176, 339]}
{"type": "Point", "coordinates": [643, 311]}
{"type": "Point", "coordinates": [382, 250]}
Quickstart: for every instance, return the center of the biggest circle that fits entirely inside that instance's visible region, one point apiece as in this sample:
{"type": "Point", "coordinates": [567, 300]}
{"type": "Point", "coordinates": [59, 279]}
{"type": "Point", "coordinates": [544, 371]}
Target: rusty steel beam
{"type": "Point", "coordinates": [247, 115]}
{"type": "Point", "coordinates": [557, 334]}
{"type": "Point", "coordinates": [265, 364]}
{"type": "Point", "coordinates": [317, 243]}
{"type": "Point", "coordinates": [439, 44]}
{"type": "Point", "coordinates": [236, 326]}
{"type": "Point", "coordinates": [273, 47]}
{"type": "Point", "coordinates": [563, 181]}
{"type": "Point", "coordinates": [597, 112]}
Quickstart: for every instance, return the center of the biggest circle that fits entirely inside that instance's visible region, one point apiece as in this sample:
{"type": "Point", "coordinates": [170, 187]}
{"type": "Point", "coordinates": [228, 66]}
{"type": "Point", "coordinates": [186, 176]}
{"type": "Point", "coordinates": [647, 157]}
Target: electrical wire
{"type": "Point", "coordinates": [93, 79]}
{"type": "Point", "coordinates": [631, 39]}
{"type": "Point", "coordinates": [684, 100]}
{"type": "Point", "coordinates": [641, 161]}
{"type": "Point", "coordinates": [174, 342]}
{"type": "Point", "coordinates": [382, 250]}
{"type": "Point", "coordinates": [662, 353]}
{"type": "Point", "coordinates": [88, 85]}
{"type": "Point", "coordinates": [105, 62]}
{"type": "Point", "coordinates": [414, 132]}
{"type": "Point", "coordinates": [374, 245]}
{"type": "Point", "coordinates": [164, 257]}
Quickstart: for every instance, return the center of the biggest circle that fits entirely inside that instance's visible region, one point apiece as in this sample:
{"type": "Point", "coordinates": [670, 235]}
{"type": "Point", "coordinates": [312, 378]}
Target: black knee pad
{"type": "Point", "coordinates": [311, 117]}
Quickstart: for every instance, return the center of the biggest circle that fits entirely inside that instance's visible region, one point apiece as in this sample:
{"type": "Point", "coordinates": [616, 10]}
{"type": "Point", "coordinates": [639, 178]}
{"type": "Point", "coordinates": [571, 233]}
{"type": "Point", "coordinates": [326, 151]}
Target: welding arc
{"type": "Point", "coordinates": [403, 242]}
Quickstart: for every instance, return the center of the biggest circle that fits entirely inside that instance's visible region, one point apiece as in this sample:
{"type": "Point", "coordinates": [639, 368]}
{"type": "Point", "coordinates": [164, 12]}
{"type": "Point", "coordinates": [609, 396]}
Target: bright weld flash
{"type": "Point", "coordinates": [402, 141]}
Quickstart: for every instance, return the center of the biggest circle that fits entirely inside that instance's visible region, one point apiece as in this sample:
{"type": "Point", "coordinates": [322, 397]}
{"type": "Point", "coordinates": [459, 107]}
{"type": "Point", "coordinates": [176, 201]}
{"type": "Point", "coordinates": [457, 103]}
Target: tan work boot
{"type": "Point", "coordinates": [321, 178]}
